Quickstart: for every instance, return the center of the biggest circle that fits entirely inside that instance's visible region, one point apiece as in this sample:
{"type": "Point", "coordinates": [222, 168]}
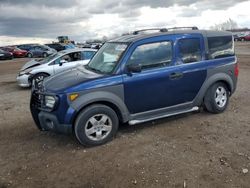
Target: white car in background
{"type": "Point", "coordinates": [64, 60]}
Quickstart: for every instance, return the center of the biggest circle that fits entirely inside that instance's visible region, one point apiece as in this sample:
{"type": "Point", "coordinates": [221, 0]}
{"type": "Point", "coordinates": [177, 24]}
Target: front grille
{"type": "Point", "coordinates": [37, 100]}
{"type": "Point", "coordinates": [37, 86]}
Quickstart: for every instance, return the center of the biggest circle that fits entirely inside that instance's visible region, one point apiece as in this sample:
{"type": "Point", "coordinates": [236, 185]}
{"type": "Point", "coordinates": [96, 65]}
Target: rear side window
{"type": "Point", "coordinates": [220, 47]}
{"type": "Point", "coordinates": [152, 55]}
{"type": "Point", "coordinates": [190, 50]}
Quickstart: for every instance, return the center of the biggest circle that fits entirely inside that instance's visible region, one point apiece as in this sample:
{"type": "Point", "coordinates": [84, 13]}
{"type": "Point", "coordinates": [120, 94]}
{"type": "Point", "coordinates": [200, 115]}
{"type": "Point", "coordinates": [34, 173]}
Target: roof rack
{"type": "Point", "coordinates": [152, 29]}
{"type": "Point", "coordinates": [175, 28]}
{"type": "Point", "coordinates": [164, 29]}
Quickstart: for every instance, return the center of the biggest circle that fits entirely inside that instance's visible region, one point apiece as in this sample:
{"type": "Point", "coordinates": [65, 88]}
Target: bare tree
{"type": "Point", "coordinates": [227, 25]}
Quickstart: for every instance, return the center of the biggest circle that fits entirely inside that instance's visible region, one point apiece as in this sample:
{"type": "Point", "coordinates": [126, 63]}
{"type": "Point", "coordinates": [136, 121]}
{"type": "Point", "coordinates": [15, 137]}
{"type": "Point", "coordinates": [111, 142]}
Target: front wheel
{"type": "Point", "coordinates": [217, 98]}
{"type": "Point", "coordinates": [96, 125]}
{"type": "Point", "coordinates": [38, 79]}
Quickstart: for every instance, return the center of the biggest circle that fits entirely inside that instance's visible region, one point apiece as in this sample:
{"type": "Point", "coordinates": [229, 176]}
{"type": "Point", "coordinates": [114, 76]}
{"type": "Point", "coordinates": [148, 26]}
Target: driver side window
{"type": "Point", "coordinates": [71, 57]}
{"type": "Point", "coordinates": [152, 55]}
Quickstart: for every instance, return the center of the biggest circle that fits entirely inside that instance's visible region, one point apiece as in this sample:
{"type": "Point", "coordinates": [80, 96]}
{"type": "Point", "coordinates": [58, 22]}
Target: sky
{"type": "Point", "coordinates": [41, 21]}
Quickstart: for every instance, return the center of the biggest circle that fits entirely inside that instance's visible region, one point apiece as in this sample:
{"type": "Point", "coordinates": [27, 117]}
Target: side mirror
{"type": "Point", "coordinates": [62, 61]}
{"type": "Point", "coordinates": [134, 68]}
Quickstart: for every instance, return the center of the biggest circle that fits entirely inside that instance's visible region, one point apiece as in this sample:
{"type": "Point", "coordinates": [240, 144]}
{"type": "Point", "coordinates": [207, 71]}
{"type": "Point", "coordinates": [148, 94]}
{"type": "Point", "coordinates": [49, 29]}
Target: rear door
{"type": "Point", "coordinates": [38, 51]}
{"type": "Point", "coordinates": [191, 63]}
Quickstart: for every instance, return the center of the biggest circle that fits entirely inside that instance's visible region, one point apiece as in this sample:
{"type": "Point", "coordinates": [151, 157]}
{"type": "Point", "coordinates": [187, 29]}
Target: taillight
{"type": "Point", "coordinates": [236, 70]}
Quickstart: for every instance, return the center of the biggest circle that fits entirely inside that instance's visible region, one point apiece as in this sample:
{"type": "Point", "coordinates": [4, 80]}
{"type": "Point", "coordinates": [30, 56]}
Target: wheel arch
{"type": "Point", "coordinates": [220, 77]}
{"type": "Point", "coordinates": [109, 99]}
{"type": "Point", "coordinates": [33, 75]}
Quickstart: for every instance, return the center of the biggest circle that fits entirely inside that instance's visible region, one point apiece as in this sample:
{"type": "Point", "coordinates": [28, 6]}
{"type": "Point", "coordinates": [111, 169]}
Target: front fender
{"type": "Point", "coordinates": [101, 96]}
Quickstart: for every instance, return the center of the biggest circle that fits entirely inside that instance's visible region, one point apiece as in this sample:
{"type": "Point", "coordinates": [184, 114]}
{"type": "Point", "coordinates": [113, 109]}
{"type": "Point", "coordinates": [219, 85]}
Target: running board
{"type": "Point", "coordinates": [137, 121]}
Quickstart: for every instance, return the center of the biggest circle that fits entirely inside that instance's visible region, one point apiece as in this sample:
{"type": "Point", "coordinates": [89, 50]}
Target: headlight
{"type": "Point", "coordinates": [50, 101]}
{"type": "Point", "coordinates": [24, 72]}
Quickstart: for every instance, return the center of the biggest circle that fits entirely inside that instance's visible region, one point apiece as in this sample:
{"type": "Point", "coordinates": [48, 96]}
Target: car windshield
{"type": "Point", "coordinates": [1, 51]}
{"type": "Point", "coordinates": [16, 48]}
{"type": "Point", "coordinates": [107, 58]}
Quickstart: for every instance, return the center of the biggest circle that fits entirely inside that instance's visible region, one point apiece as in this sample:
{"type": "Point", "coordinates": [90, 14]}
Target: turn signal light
{"type": "Point", "coordinates": [72, 97]}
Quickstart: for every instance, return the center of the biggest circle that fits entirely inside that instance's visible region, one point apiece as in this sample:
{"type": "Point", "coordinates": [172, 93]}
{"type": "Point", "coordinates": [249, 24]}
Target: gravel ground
{"type": "Point", "coordinates": [191, 150]}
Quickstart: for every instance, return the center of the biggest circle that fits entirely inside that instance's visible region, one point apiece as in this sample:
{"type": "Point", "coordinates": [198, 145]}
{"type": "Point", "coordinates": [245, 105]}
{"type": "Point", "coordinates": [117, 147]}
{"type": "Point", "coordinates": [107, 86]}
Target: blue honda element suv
{"type": "Point", "coordinates": [147, 75]}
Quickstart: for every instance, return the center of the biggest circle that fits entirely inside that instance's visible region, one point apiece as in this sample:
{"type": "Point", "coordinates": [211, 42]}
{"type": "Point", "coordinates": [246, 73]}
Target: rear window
{"type": "Point", "coordinates": [220, 47]}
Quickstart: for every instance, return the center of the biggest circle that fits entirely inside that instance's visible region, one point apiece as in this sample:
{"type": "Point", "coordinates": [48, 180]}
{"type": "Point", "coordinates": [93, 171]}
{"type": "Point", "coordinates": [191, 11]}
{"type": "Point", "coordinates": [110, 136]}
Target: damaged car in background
{"type": "Point", "coordinates": [36, 70]}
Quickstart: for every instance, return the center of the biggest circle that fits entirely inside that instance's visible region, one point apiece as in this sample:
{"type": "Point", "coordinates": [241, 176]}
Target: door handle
{"type": "Point", "coordinates": [176, 75]}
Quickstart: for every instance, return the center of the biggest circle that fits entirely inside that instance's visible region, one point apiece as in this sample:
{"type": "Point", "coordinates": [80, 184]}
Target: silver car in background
{"type": "Point", "coordinates": [37, 70]}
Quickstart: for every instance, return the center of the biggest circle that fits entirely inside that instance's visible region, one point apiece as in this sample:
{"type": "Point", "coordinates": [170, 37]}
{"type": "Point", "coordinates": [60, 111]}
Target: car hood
{"type": "Point", "coordinates": [30, 64]}
{"type": "Point", "coordinates": [68, 79]}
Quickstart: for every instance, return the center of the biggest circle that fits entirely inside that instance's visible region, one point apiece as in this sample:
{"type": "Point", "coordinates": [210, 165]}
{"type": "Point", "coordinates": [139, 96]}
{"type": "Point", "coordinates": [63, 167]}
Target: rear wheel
{"type": "Point", "coordinates": [96, 125]}
{"type": "Point", "coordinates": [45, 55]}
{"type": "Point", "coordinates": [217, 98]}
{"type": "Point", "coordinates": [30, 55]}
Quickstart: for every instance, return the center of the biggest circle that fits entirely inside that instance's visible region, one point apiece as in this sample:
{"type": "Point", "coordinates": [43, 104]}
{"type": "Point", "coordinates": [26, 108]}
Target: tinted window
{"type": "Point", "coordinates": [87, 54]}
{"type": "Point", "coordinates": [152, 55]}
{"type": "Point", "coordinates": [190, 50]}
{"type": "Point", "coordinates": [220, 47]}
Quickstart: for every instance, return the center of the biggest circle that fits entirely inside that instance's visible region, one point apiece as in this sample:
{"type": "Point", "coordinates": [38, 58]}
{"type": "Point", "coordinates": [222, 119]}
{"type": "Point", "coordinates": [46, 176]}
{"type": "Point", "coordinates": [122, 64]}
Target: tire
{"type": "Point", "coordinates": [90, 120]}
{"type": "Point", "coordinates": [38, 78]}
{"type": "Point", "coordinates": [29, 55]}
{"type": "Point", "coordinates": [45, 55]}
{"type": "Point", "coordinates": [217, 98]}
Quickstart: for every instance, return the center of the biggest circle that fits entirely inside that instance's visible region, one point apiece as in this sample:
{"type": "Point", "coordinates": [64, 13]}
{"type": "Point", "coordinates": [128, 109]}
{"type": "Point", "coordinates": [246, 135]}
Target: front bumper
{"type": "Point", "coordinates": [47, 121]}
{"type": "Point", "coordinates": [23, 80]}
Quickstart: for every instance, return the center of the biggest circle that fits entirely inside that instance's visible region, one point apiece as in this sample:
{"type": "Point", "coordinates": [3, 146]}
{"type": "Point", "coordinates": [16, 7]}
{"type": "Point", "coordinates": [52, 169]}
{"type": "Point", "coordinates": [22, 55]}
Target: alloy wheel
{"type": "Point", "coordinates": [98, 127]}
{"type": "Point", "coordinates": [221, 96]}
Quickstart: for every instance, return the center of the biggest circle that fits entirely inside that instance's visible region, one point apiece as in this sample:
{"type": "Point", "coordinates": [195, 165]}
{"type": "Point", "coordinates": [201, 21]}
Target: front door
{"type": "Point", "coordinates": [156, 86]}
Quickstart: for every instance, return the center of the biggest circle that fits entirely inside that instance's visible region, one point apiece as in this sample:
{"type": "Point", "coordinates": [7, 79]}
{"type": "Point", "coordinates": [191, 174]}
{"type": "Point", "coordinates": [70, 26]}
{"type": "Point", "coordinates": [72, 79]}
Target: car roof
{"type": "Point", "coordinates": [140, 36]}
{"type": "Point", "coordinates": [77, 50]}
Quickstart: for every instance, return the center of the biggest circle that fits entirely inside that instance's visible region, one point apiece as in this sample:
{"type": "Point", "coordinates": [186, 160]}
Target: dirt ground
{"type": "Point", "coordinates": [191, 150]}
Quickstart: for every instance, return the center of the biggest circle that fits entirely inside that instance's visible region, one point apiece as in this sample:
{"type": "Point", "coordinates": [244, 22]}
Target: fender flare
{"type": "Point", "coordinates": [101, 96]}
{"type": "Point", "coordinates": [219, 77]}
